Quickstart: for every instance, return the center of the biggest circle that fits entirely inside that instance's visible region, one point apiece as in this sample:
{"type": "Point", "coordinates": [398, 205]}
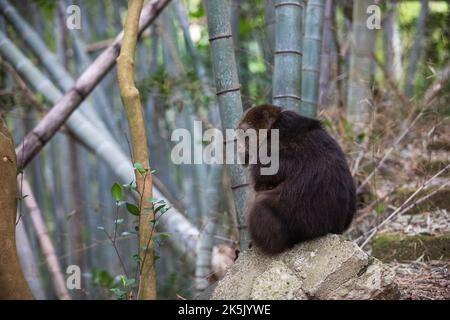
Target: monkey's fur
{"type": "Point", "coordinates": [313, 192]}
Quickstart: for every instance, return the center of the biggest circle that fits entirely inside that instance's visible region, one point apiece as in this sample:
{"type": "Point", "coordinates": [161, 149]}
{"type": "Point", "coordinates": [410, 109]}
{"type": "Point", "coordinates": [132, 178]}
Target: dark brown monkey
{"type": "Point", "coordinates": [311, 195]}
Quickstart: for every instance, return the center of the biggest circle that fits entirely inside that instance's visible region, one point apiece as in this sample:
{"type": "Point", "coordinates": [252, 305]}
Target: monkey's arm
{"type": "Point", "coordinates": [267, 182]}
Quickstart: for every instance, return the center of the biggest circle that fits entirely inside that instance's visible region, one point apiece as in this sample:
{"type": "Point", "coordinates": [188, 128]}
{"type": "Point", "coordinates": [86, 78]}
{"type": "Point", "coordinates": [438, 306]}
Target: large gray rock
{"type": "Point", "coordinates": [325, 268]}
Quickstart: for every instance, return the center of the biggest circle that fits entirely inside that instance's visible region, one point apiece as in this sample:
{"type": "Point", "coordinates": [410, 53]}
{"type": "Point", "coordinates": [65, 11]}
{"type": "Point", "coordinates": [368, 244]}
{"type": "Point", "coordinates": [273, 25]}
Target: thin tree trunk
{"type": "Point", "coordinates": [132, 104]}
{"type": "Point", "coordinates": [12, 281]}
{"type": "Point", "coordinates": [228, 92]}
{"type": "Point", "coordinates": [287, 77]}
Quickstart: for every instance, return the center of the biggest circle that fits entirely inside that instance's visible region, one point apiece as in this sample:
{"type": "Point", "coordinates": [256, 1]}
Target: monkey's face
{"type": "Point", "coordinates": [252, 121]}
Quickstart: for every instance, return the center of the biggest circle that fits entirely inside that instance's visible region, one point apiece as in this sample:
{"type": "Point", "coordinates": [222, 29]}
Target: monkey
{"type": "Point", "coordinates": [313, 192]}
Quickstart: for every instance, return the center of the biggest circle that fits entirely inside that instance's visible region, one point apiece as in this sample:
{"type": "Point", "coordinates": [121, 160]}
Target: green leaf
{"type": "Point", "coordinates": [133, 209]}
{"type": "Point", "coordinates": [379, 209]}
{"type": "Point", "coordinates": [136, 258]}
{"type": "Point", "coordinates": [159, 208]}
{"type": "Point", "coordinates": [129, 282]}
{"type": "Point", "coordinates": [120, 294]}
{"type": "Point", "coordinates": [360, 138]}
{"type": "Point", "coordinates": [116, 192]}
{"type": "Point", "coordinates": [138, 167]}
{"type": "Point", "coordinates": [155, 258]}
{"type": "Point", "coordinates": [164, 236]}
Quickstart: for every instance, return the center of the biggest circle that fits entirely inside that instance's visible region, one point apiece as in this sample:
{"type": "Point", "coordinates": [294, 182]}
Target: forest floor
{"type": "Point", "coordinates": [415, 243]}
{"type": "Point", "coordinates": [428, 280]}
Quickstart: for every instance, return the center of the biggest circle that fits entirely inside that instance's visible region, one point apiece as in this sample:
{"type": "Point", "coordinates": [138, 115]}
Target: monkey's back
{"type": "Point", "coordinates": [318, 196]}
{"type": "Point", "coordinates": [311, 195]}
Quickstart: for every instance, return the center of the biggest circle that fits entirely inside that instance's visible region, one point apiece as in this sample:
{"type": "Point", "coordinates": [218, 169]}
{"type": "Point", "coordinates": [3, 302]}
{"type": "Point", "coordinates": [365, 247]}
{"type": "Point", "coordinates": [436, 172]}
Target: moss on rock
{"type": "Point", "coordinates": [388, 247]}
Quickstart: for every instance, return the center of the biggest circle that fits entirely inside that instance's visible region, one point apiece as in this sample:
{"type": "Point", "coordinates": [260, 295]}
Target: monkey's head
{"type": "Point", "coordinates": [255, 118]}
{"type": "Point", "coordinates": [259, 117]}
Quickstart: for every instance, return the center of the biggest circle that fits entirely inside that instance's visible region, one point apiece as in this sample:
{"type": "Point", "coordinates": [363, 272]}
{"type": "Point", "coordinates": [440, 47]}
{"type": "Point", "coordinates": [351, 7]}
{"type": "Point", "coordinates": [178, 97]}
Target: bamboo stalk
{"type": "Point", "coordinates": [48, 251]}
{"type": "Point", "coordinates": [325, 62]}
{"type": "Point", "coordinates": [206, 239]}
{"type": "Point", "coordinates": [132, 104]}
{"type": "Point", "coordinates": [287, 76]}
{"type": "Point", "coordinates": [359, 92]}
{"type": "Point", "coordinates": [228, 92]}
{"type": "Point", "coordinates": [312, 43]}
{"type": "Point", "coordinates": [414, 54]}
{"type": "Point", "coordinates": [269, 22]}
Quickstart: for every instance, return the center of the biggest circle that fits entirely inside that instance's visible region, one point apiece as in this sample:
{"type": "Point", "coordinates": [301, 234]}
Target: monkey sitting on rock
{"type": "Point", "coordinates": [313, 192]}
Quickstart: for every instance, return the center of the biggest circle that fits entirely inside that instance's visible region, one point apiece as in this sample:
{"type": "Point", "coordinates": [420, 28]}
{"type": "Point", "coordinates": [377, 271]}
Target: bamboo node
{"type": "Point", "coordinates": [289, 51]}
{"type": "Point", "coordinates": [289, 3]}
{"type": "Point", "coordinates": [218, 93]}
{"type": "Point", "coordinates": [220, 36]}
{"type": "Point", "coordinates": [239, 186]}
{"type": "Point", "coordinates": [288, 96]}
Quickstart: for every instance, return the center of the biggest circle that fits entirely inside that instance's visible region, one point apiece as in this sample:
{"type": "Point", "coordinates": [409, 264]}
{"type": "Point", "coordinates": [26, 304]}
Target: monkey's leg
{"type": "Point", "coordinates": [266, 230]}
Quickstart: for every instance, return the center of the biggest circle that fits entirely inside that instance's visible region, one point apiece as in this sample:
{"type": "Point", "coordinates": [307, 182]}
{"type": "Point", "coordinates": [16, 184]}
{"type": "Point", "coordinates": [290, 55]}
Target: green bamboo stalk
{"type": "Point", "coordinates": [359, 87]}
{"type": "Point", "coordinates": [325, 57]}
{"type": "Point", "coordinates": [287, 77]}
{"type": "Point", "coordinates": [269, 22]}
{"type": "Point", "coordinates": [228, 92]}
{"type": "Point", "coordinates": [312, 44]}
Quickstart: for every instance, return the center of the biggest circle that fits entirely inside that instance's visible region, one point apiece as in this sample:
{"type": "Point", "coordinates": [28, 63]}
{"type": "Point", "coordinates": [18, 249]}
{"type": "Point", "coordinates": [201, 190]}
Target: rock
{"type": "Point", "coordinates": [286, 285]}
{"type": "Point", "coordinates": [324, 268]}
{"type": "Point", "coordinates": [377, 282]}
